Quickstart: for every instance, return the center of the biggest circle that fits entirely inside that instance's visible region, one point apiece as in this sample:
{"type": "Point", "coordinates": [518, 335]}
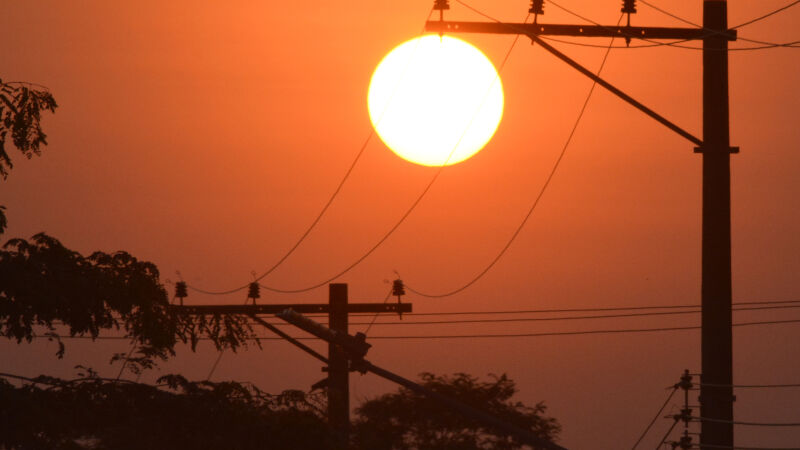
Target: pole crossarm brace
{"type": "Point", "coordinates": [292, 340]}
{"type": "Point", "coordinates": [689, 34]}
{"type": "Point", "coordinates": [492, 27]}
{"type": "Point", "coordinates": [305, 308]}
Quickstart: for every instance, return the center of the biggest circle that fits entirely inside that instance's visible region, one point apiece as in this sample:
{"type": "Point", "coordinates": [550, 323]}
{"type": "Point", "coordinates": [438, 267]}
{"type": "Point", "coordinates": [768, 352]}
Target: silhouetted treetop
{"type": "Point", "coordinates": [406, 420]}
{"type": "Point", "coordinates": [48, 288]}
{"type": "Point", "coordinates": [96, 413]}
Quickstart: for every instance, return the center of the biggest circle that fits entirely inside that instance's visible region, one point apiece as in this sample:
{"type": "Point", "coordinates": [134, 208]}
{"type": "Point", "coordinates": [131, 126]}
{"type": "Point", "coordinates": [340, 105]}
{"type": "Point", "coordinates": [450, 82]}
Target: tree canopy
{"type": "Point", "coordinates": [95, 413]}
{"type": "Point", "coordinates": [405, 420]}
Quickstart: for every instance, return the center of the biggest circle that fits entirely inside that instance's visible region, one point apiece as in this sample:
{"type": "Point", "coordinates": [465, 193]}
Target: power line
{"type": "Point", "coordinates": [671, 44]}
{"type": "Point", "coordinates": [611, 308]}
{"type": "Point", "coordinates": [319, 216]}
{"type": "Point", "coordinates": [489, 336]}
{"type": "Point", "coordinates": [728, 447]}
{"type": "Point", "coordinates": [658, 414]}
{"type": "Point", "coordinates": [413, 206]}
{"type": "Point", "coordinates": [749, 424]}
{"type": "Point", "coordinates": [771, 13]}
{"type": "Point", "coordinates": [751, 386]}
{"type": "Point", "coordinates": [547, 319]}
{"type": "Point", "coordinates": [689, 22]}
{"type": "Point", "coordinates": [541, 191]}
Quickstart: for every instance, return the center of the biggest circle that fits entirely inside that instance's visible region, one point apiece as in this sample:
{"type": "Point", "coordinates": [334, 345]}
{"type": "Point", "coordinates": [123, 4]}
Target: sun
{"type": "Point", "coordinates": [435, 100]}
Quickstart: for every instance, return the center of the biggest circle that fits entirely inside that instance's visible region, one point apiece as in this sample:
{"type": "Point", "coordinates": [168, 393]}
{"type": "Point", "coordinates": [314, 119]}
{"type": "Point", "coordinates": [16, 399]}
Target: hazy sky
{"type": "Point", "coordinates": [206, 136]}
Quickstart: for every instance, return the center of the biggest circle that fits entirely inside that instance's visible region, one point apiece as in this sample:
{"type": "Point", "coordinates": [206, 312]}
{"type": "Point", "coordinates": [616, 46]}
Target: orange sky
{"type": "Point", "coordinates": [205, 137]}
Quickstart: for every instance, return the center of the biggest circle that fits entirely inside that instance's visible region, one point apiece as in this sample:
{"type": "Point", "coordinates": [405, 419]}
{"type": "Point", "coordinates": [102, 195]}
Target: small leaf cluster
{"type": "Point", "coordinates": [20, 115]}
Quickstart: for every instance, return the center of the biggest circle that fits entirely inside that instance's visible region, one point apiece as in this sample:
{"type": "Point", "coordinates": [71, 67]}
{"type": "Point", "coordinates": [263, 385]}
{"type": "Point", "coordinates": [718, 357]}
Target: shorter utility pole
{"type": "Point", "coordinates": [355, 348]}
{"type": "Point", "coordinates": [338, 309]}
{"type": "Point", "coordinates": [338, 370]}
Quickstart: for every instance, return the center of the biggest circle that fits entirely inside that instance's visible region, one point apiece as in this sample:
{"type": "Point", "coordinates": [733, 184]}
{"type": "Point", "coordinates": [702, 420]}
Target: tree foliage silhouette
{"type": "Point", "coordinates": [44, 285]}
{"type": "Point", "coordinates": [91, 412]}
{"type": "Point", "coordinates": [21, 108]}
{"type": "Point", "coordinates": [405, 420]}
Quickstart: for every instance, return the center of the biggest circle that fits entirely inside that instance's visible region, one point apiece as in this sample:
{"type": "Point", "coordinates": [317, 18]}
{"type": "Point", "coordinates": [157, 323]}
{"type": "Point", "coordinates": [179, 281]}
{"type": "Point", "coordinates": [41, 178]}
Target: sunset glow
{"type": "Point", "coordinates": [435, 100]}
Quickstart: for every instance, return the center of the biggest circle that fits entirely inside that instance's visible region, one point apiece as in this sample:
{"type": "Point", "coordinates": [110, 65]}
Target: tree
{"type": "Point", "coordinates": [407, 420]}
{"type": "Point", "coordinates": [44, 284]}
{"type": "Point", "coordinates": [95, 413]}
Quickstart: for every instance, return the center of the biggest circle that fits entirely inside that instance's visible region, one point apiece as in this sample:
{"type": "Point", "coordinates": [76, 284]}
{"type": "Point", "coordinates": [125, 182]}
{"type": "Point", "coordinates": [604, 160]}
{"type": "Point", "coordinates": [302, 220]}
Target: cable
{"type": "Point", "coordinates": [757, 19]}
{"type": "Point", "coordinates": [321, 213]}
{"type": "Point", "coordinates": [375, 317]}
{"type": "Point", "coordinates": [749, 424]}
{"type": "Point", "coordinates": [612, 308]}
{"type": "Point", "coordinates": [413, 205]}
{"type": "Point", "coordinates": [540, 319]}
{"type": "Point", "coordinates": [667, 434]}
{"type": "Point", "coordinates": [744, 448]}
{"type": "Point", "coordinates": [658, 414]}
{"type": "Point", "coordinates": [541, 191]}
{"type": "Point", "coordinates": [750, 386]}
{"type": "Point", "coordinates": [689, 22]}
{"type": "Point", "coordinates": [491, 336]}
{"type": "Point", "coordinates": [672, 44]}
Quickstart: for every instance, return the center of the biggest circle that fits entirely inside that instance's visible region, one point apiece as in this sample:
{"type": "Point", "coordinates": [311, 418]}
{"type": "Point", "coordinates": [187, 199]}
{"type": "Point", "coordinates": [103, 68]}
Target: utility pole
{"type": "Point", "coordinates": [338, 309]}
{"type": "Point", "coordinates": [338, 368]}
{"type": "Point", "coordinates": [716, 392]}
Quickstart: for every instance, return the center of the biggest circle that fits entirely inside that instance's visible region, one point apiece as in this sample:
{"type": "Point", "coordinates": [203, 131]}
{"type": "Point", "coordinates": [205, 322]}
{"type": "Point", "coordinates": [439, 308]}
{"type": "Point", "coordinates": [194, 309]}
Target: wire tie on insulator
{"type": "Point", "coordinates": [398, 290]}
{"type": "Point", "coordinates": [181, 291]}
{"type": "Point", "coordinates": [537, 9]}
{"type": "Point", "coordinates": [253, 291]}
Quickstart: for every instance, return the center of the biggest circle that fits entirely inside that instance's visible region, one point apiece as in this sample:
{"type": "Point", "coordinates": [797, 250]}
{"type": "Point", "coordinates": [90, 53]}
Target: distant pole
{"type": "Point", "coordinates": [338, 370]}
{"type": "Point", "coordinates": [716, 402]}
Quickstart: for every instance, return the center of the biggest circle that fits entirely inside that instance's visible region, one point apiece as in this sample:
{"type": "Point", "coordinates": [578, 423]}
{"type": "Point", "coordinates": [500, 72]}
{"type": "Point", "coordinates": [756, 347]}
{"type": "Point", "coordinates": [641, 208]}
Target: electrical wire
{"type": "Point", "coordinates": [671, 44]}
{"type": "Point", "coordinates": [416, 202]}
{"type": "Point", "coordinates": [743, 448]}
{"type": "Point", "coordinates": [327, 205]}
{"type": "Point", "coordinates": [771, 13]}
{"type": "Point", "coordinates": [689, 22]}
{"type": "Point", "coordinates": [375, 317]}
{"type": "Point", "coordinates": [749, 424]}
{"type": "Point", "coordinates": [544, 319]}
{"type": "Point", "coordinates": [666, 435]}
{"type": "Point", "coordinates": [490, 336]}
{"type": "Point", "coordinates": [541, 191]}
{"type": "Point", "coordinates": [750, 386]}
{"type": "Point", "coordinates": [658, 414]}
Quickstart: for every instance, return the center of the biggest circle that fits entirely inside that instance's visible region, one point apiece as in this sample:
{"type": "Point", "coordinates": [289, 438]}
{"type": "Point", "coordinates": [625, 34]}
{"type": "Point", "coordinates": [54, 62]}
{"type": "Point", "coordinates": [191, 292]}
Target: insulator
{"type": "Point", "coordinates": [537, 7]}
{"type": "Point", "coordinates": [398, 289]}
{"type": "Point", "coordinates": [441, 5]}
{"type": "Point", "coordinates": [629, 6]}
{"type": "Point", "coordinates": [180, 290]}
{"type": "Point", "coordinates": [253, 291]}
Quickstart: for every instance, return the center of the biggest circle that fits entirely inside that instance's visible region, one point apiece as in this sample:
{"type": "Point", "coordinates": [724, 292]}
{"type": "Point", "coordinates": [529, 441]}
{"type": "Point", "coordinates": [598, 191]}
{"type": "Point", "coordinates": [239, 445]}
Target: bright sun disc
{"type": "Point", "coordinates": [435, 100]}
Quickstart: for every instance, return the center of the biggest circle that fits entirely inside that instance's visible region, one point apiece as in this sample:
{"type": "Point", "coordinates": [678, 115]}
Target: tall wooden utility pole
{"type": "Point", "coordinates": [338, 310]}
{"type": "Point", "coordinates": [716, 392]}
